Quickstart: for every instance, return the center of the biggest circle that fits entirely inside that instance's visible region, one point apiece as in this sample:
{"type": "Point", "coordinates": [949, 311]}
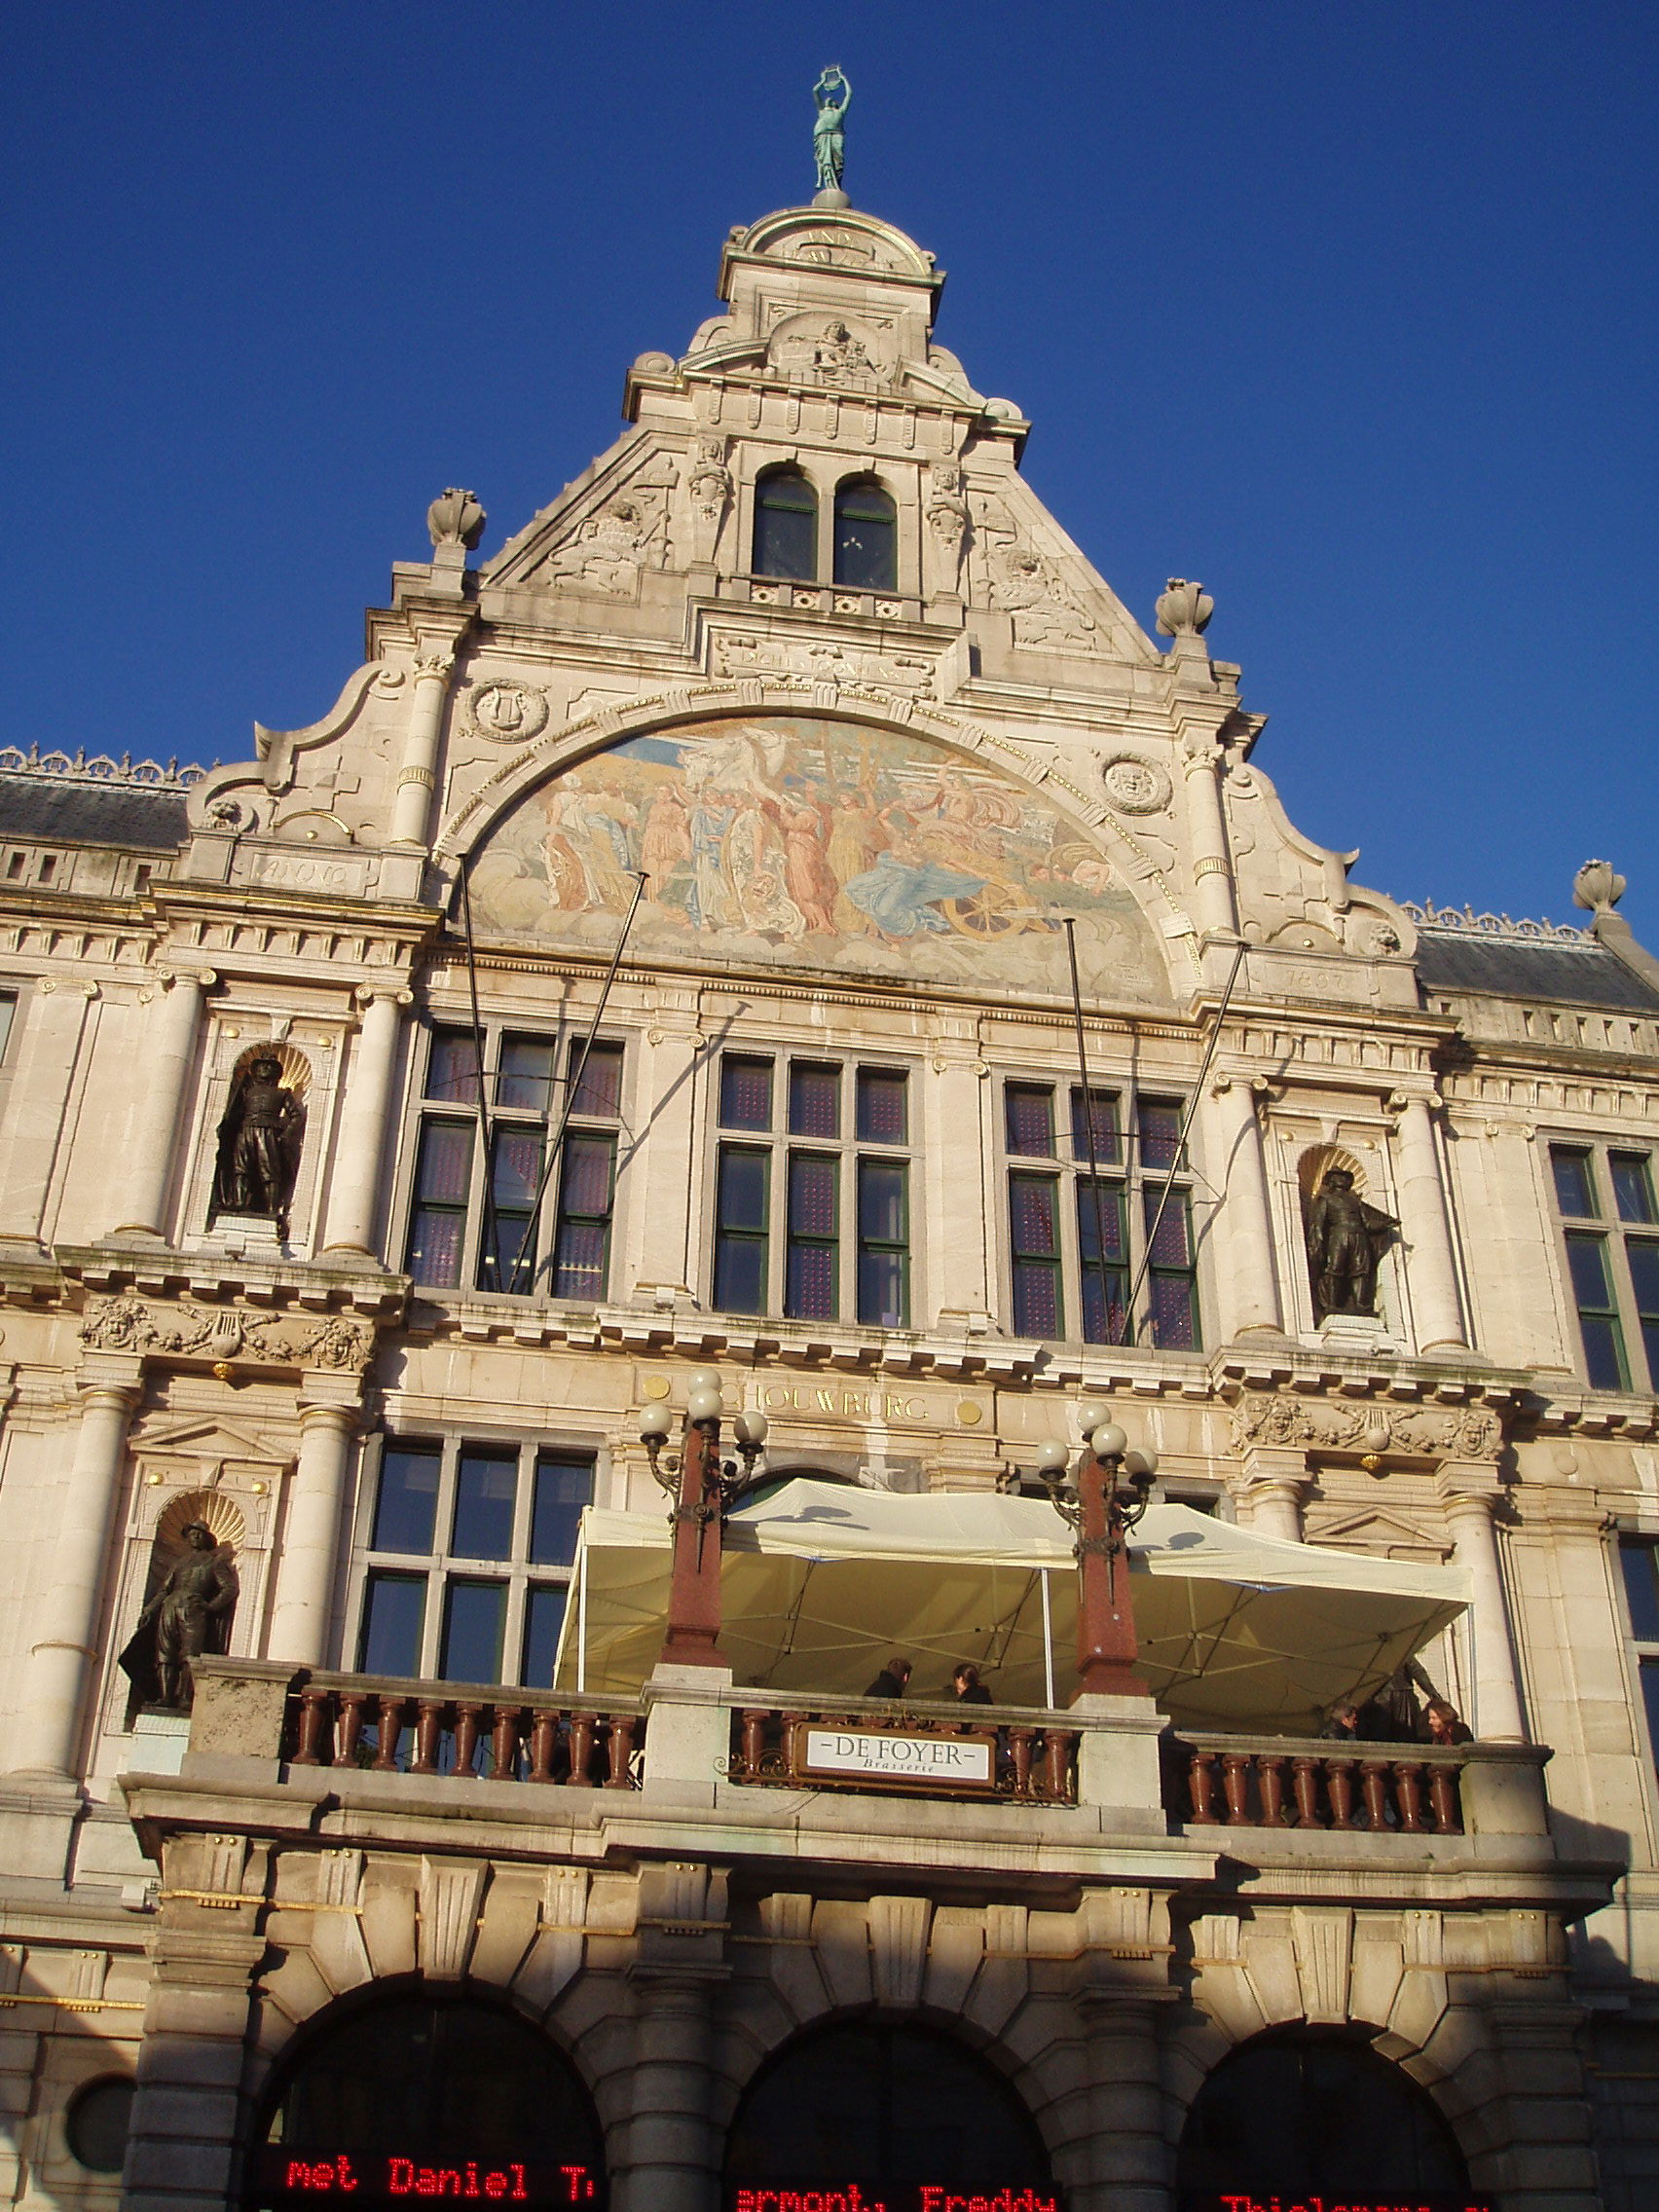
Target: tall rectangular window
{"type": "Point", "coordinates": [1099, 1200]}
{"type": "Point", "coordinates": [1034, 1239]}
{"type": "Point", "coordinates": [483, 1214]}
{"type": "Point", "coordinates": [817, 1230]}
{"type": "Point", "coordinates": [464, 1559]}
{"type": "Point", "coordinates": [1638, 1558]}
{"type": "Point", "coordinates": [1609, 1231]}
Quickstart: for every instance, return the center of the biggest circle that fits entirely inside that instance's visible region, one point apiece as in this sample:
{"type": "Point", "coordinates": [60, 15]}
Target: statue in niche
{"type": "Point", "coordinates": [259, 1145]}
{"type": "Point", "coordinates": [1346, 1241]}
{"type": "Point", "coordinates": [834, 96]}
{"type": "Point", "coordinates": [190, 1614]}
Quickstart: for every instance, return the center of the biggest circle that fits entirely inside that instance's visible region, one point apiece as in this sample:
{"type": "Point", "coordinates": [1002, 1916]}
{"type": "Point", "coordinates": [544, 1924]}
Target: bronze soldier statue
{"type": "Point", "coordinates": [259, 1145]}
{"type": "Point", "coordinates": [1345, 1239]}
{"type": "Point", "coordinates": [189, 1614]}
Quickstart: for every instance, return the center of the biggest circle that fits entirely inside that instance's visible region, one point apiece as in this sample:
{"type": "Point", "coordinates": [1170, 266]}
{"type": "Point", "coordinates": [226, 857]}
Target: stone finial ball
{"type": "Point", "coordinates": [457, 519]}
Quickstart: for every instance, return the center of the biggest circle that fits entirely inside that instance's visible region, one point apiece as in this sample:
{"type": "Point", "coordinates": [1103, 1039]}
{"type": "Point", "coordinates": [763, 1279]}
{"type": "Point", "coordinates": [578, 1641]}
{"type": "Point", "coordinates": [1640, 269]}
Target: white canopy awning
{"type": "Point", "coordinates": [819, 1582]}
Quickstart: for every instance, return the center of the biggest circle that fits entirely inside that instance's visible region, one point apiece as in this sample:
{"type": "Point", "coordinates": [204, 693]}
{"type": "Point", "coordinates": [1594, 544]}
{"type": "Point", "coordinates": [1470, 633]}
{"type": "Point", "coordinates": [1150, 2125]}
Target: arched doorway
{"type": "Point", "coordinates": [1303, 2115]}
{"type": "Point", "coordinates": [878, 2112]}
{"type": "Point", "coordinates": [415, 2096]}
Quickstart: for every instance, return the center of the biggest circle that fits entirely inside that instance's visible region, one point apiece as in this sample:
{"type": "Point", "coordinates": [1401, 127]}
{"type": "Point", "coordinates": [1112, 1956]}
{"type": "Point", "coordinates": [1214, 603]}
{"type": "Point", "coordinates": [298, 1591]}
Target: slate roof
{"type": "Point", "coordinates": [1522, 968]}
{"type": "Point", "coordinates": [72, 812]}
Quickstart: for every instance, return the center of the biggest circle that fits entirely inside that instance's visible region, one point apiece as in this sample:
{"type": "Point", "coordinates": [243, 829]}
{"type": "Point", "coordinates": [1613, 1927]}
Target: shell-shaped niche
{"type": "Point", "coordinates": [1318, 1162]}
{"type": "Point", "coordinates": [296, 1068]}
{"type": "Point", "coordinates": [211, 1507]}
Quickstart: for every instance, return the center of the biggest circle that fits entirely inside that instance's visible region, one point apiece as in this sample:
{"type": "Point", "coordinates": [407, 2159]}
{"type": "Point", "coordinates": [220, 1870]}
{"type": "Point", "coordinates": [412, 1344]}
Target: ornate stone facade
{"type": "Point", "coordinates": [808, 859]}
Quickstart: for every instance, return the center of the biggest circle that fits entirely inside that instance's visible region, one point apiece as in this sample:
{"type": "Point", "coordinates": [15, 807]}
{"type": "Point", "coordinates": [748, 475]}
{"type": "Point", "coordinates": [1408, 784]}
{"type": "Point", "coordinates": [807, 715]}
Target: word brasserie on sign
{"type": "Point", "coordinates": [884, 1757]}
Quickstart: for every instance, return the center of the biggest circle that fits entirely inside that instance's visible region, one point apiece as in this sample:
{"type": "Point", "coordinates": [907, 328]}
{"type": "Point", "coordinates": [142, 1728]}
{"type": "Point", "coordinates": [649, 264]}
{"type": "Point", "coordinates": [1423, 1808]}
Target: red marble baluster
{"type": "Point", "coordinates": [1304, 1779]}
{"type": "Point", "coordinates": [466, 1718]}
{"type": "Point", "coordinates": [1058, 1745]}
{"type": "Point", "coordinates": [581, 1750]}
{"type": "Point", "coordinates": [314, 1713]}
{"type": "Point", "coordinates": [1200, 1787]}
{"type": "Point", "coordinates": [348, 1733]}
{"type": "Point", "coordinates": [621, 1751]}
{"type": "Point", "coordinates": [1408, 1794]}
{"type": "Point", "coordinates": [1020, 1744]}
{"type": "Point", "coordinates": [1270, 1767]}
{"type": "Point", "coordinates": [428, 1733]}
{"type": "Point", "coordinates": [543, 1735]}
{"type": "Point", "coordinates": [1236, 1783]}
{"type": "Point", "coordinates": [754, 1743]}
{"type": "Point", "coordinates": [1374, 1782]}
{"type": "Point", "coordinates": [1443, 1796]}
{"type": "Point", "coordinates": [1339, 1777]}
{"type": "Point", "coordinates": [503, 1744]}
{"type": "Point", "coordinates": [391, 1729]}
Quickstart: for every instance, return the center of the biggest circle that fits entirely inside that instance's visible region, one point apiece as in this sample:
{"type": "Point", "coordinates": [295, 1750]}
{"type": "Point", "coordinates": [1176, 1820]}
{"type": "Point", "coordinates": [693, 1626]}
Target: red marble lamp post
{"type": "Point", "coordinates": [1108, 1498]}
{"type": "Point", "coordinates": [703, 1491]}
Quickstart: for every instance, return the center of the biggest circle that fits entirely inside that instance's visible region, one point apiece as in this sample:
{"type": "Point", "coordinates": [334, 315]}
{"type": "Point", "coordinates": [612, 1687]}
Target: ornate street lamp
{"type": "Point", "coordinates": [703, 1491]}
{"type": "Point", "coordinates": [1101, 1504]}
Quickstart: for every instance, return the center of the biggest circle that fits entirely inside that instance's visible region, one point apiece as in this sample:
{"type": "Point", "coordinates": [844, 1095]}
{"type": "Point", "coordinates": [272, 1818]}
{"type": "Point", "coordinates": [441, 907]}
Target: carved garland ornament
{"type": "Point", "coordinates": [129, 1323]}
{"type": "Point", "coordinates": [1455, 1433]}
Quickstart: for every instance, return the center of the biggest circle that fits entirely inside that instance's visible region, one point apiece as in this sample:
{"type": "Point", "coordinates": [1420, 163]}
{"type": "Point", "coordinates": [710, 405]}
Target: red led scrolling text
{"type": "Point", "coordinates": [921, 2196]}
{"type": "Point", "coordinates": [342, 2176]}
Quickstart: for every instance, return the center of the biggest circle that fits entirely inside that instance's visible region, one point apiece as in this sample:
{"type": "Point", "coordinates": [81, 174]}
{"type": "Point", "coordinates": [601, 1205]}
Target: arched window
{"type": "Point", "coordinates": [1305, 2115]}
{"type": "Point", "coordinates": [786, 526]}
{"type": "Point", "coordinates": [866, 536]}
{"type": "Point", "coordinates": [412, 2097]}
{"type": "Point", "coordinates": [892, 2108]}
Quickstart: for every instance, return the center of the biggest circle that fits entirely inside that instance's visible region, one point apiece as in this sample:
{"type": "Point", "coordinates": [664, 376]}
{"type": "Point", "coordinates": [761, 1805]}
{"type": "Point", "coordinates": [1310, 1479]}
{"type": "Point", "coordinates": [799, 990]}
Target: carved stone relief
{"type": "Point", "coordinates": [1016, 579]}
{"type": "Point", "coordinates": [947, 521]}
{"type": "Point", "coordinates": [828, 350]}
{"type": "Point", "coordinates": [1134, 786]}
{"type": "Point", "coordinates": [133, 1324]}
{"type": "Point", "coordinates": [510, 713]}
{"type": "Point", "coordinates": [708, 483]}
{"type": "Point", "coordinates": [1459, 1432]}
{"type": "Point", "coordinates": [607, 552]}
{"type": "Point", "coordinates": [743, 654]}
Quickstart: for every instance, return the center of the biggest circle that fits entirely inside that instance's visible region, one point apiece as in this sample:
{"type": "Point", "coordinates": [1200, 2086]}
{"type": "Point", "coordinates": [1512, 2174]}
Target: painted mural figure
{"type": "Point", "coordinates": [815, 844]}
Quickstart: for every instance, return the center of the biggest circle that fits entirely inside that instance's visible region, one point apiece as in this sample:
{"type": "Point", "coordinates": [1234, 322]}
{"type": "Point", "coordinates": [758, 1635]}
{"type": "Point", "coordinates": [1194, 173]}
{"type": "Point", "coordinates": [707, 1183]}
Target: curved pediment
{"type": "Point", "coordinates": [804, 842]}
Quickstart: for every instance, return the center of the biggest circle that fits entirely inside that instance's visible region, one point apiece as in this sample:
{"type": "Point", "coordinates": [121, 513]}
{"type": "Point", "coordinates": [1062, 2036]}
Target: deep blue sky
{"type": "Point", "coordinates": [1347, 310]}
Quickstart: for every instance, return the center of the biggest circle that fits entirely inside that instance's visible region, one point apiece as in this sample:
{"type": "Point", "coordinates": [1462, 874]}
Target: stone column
{"type": "Point", "coordinates": [674, 2150]}
{"type": "Point", "coordinates": [165, 1054]}
{"type": "Point", "coordinates": [1430, 1264]}
{"type": "Point", "coordinates": [302, 1616]}
{"type": "Point", "coordinates": [354, 1195]}
{"type": "Point", "coordinates": [1468, 1492]}
{"type": "Point", "coordinates": [1126, 2156]}
{"type": "Point", "coordinates": [1276, 1485]}
{"type": "Point", "coordinates": [46, 1734]}
{"type": "Point", "coordinates": [188, 2119]}
{"type": "Point", "coordinates": [1249, 1281]}
{"type": "Point", "coordinates": [1213, 907]}
{"type": "Point", "coordinates": [417, 778]}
